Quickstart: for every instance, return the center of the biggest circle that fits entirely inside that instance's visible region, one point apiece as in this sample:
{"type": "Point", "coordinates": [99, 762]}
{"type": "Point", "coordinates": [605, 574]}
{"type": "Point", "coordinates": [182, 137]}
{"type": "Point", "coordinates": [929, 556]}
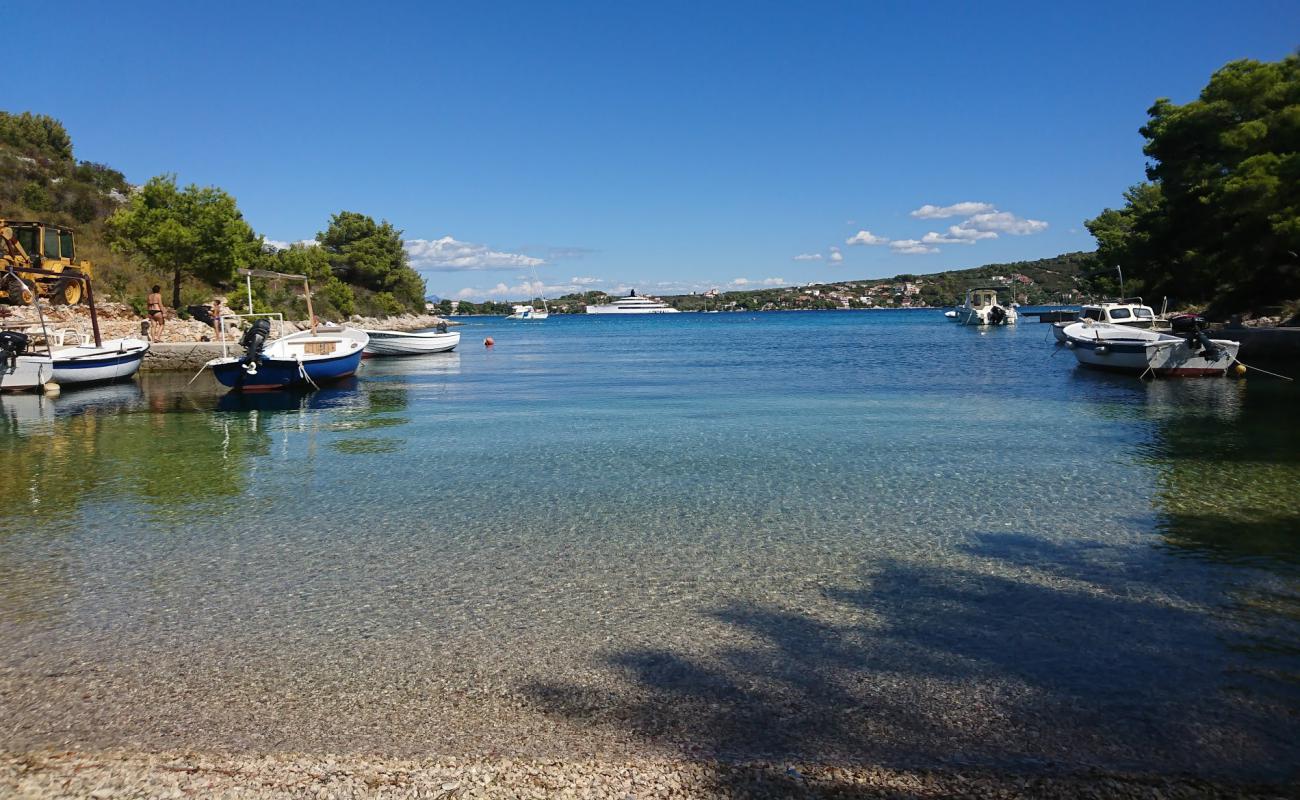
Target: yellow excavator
{"type": "Point", "coordinates": [48, 248]}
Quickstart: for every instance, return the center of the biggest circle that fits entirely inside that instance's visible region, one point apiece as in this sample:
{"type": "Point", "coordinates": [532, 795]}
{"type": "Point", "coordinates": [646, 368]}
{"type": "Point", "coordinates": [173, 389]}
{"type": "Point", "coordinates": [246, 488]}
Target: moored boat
{"type": "Point", "coordinates": [1186, 351]}
{"type": "Point", "coordinates": [529, 312]}
{"type": "Point", "coordinates": [20, 370]}
{"type": "Point", "coordinates": [86, 362]}
{"type": "Point", "coordinates": [400, 343]}
{"type": "Point", "coordinates": [983, 308]}
{"type": "Point", "coordinates": [1128, 311]}
{"type": "Point", "coordinates": [308, 358]}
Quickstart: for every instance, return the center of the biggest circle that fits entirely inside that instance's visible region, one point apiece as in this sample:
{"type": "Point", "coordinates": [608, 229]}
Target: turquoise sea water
{"type": "Point", "coordinates": [872, 536]}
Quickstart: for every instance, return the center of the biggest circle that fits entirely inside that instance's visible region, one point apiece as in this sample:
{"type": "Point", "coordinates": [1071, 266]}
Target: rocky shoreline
{"type": "Point", "coordinates": [114, 774]}
{"type": "Point", "coordinates": [118, 320]}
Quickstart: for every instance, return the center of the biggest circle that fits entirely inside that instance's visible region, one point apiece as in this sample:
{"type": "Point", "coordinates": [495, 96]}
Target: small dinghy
{"type": "Point", "coordinates": [86, 362]}
{"type": "Point", "coordinates": [398, 343]}
{"type": "Point", "coordinates": [1186, 351]}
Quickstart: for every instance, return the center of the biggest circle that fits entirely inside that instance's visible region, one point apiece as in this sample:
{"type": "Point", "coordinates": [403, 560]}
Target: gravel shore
{"type": "Point", "coordinates": [132, 774]}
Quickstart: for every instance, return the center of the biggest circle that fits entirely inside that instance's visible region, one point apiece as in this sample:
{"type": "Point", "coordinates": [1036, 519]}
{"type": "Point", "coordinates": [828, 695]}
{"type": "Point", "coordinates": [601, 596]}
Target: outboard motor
{"type": "Point", "coordinates": [1193, 327]}
{"type": "Point", "coordinates": [997, 315]}
{"type": "Point", "coordinates": [12, 345]}
{"type": "Point", "coordinates": [254, 339]}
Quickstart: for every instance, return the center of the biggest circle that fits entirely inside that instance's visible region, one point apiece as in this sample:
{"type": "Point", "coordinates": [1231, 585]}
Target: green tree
{"type": "Point", "coordinates": [1220, 218]}
{"type": "Point", "coordinates": [194, 231]}
{"type": "Point", "coordinates": [371, 255]}
{"type": "Point", "coordinates": [36, 134]}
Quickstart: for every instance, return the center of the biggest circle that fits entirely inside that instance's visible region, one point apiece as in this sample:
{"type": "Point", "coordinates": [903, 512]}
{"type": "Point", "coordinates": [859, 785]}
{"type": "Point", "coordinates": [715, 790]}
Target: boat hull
{"type": "Point", "coordinates": [114, 361]}
{"type": "Point", "coordinates": [1115, 349]}
{"type": "Point", "coordinates": [26, 373]}
{"type": "Point", "coordinates": [610, 309]}
{"type": "Point", "coordinates": [980, 316]}
{"type": "Point", "coordinates": [270, 374]}
{"type": "Point", "coordinates": [393, 343]}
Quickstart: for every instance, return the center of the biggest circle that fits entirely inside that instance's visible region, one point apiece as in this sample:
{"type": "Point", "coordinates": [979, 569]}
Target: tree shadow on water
{"type": "Point", "coordinates": [1017, 657]}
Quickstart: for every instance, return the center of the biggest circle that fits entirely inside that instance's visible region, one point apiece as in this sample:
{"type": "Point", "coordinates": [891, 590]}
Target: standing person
{"type": "Point", "coordinates": [156, 317]}
{"type": "Point", "coordinates": [216, 313]}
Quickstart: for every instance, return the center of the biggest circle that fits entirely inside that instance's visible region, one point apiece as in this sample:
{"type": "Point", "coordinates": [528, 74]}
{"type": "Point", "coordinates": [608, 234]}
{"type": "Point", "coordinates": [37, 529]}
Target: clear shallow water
{"type": "Point", "coordinates": [846, 535]}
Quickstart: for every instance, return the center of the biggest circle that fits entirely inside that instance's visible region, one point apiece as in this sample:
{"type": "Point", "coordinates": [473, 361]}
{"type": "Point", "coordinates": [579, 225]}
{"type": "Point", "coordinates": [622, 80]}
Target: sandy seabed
{"type": "Point", "coordinates": [115, 774]}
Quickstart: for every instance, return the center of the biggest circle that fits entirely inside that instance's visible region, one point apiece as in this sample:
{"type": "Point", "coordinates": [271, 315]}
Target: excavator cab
{"type": "Point", "coordinates": [40, 245]}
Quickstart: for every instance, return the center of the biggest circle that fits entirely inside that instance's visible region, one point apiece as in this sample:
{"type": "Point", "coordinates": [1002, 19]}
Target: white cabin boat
{"type": "Point", "coordinates": [400, 343]}
{"type": "Point", "coordinates": [1187, 351]}
{"type": "Point", "coordinates": [633, 304]}
{"type": "Point", "coordinates": [982, 308]}
{"type": "Point", "coordinates": [1129, 312]}
{"type": "Point", "coordinates": [530, 312]}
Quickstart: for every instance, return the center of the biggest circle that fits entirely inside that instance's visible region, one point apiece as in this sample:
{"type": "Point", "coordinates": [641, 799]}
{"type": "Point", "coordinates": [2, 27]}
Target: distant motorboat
{"type": "Point", "coordinates": [633, 304]}
{"type": "Point", "coordinates": [983, 308]}
{"type": "Point", "coordinates": [1186, 351]}
{"type": "Point", "coordinates": [1130, 312]}
{"type": "Point", "coordinates": [529, 312]}
{"type": "Point", "coordinates": [401, 343]}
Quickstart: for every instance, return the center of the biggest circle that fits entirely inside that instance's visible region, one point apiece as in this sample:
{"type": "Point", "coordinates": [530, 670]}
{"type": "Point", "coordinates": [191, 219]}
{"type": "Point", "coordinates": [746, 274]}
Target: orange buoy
{"type": "Point", "coordinates": [488, 342]}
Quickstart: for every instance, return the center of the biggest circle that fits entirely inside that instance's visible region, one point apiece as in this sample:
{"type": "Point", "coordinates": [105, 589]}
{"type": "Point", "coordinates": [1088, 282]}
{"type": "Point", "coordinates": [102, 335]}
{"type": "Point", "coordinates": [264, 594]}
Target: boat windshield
{"type": "Point", "coordinates": [1120, 313]}
{"type": "Point", "coordinates": [1092, 314]}
{"type": "Point", "coordinates": [1142, 312]}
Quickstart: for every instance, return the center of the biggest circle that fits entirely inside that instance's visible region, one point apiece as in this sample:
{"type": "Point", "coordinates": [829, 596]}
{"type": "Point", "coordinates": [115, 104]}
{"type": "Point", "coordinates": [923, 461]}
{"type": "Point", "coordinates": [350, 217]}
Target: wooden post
{"type": "Point", "coordinates": [311, 315]}
{"type": "Point", "coordinates": [94, 316]}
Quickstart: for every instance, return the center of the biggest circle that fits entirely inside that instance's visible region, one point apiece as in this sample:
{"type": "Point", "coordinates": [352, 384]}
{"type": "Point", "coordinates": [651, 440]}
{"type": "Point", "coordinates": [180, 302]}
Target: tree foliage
{"type": "Point", "coordinates": [196, 231]}
{"type": "Point", "coordinates": [1219, 218]}
{"type": "Point", "coordinates": [371, 255]}
{"type": "Point", "coordinates": [36, 135]}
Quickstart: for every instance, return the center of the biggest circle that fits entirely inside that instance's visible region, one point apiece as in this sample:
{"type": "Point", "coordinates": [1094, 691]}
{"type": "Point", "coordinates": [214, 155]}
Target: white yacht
{"type": "Point", "coordinates": [529, 312]}
{"type": "Point", "coordinates": [633, 304]}
{"type": "Point", "coordinates": [1130, 312]}
{"type": "Point", "coordinates": [982, 308]}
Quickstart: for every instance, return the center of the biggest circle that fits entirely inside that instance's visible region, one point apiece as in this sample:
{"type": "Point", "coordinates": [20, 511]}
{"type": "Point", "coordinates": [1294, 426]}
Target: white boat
{"type": "Point", "coordinates": [530, 312]}
{"type": "Point", "coordinates": [21, 371]}
{"type": "Point", "coordinates": [1187, 351]}
{"type": "Point", "coordinates": [86, 362]}
{"type": "Point", "coordinates": [633, 304]}
{"type": "Point", "coordinates": [952, 315]}
{"type": "Point", "coordinates": [399, 343]}
{"type": "Point", "coordinates": [1129, 312]}
{"type": "Point", "coordinates": [982, 308]}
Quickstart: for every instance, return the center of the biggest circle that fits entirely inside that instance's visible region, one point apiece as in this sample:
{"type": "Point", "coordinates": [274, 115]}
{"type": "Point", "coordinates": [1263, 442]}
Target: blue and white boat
{"type": "Point", "coordinates": [85, 363]}
{"type": "Point", "coordinates": [306, 359]}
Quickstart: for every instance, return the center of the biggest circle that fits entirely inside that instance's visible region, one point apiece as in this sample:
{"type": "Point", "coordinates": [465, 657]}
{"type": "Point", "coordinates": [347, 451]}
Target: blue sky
{"type": "Point", "coordinates": [660, 146]}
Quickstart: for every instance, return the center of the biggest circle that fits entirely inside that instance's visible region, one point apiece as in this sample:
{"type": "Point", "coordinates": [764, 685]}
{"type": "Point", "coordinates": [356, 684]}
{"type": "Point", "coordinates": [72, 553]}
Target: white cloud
{"type": "Point", "coordinates": [866, 237]}
{"type": "Point", "coordinates": [808, 257]}
{"type": "Point", "coordinates": [742, 282]}
{"type": "Point", "coordinates": [911, 247]}
{"type": "Point", "coordinates": [956, 236]}
{"type": "Point", "coordinates": [969, 234]}
{"type": "Point", "coordinates": [836, 256]}
{"type": "Point", "coordinates": [965, 209]}
{"type": "Point", "coordinates": [447, 254]}
{"type": "Point", "coordinates": [1004, 222]}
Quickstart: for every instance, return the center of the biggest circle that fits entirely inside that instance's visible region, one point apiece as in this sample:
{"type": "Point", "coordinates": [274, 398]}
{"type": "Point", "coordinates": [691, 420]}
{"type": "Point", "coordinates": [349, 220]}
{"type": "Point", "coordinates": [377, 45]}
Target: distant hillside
{"type": "Point", "coordinates": [1062, 278]}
